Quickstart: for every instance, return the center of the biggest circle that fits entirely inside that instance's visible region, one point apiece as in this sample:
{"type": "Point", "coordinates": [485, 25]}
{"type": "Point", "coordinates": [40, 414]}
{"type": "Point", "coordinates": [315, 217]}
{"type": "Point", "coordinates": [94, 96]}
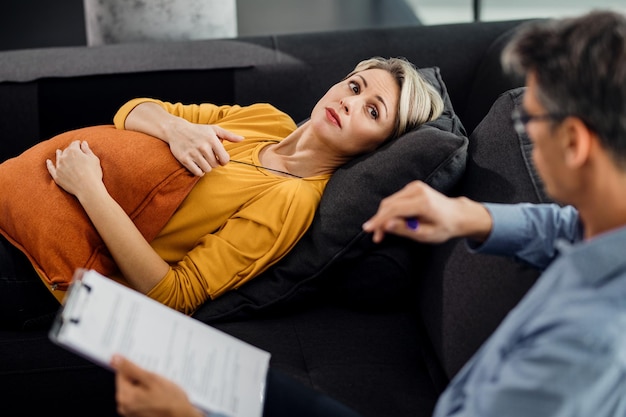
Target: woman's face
{"type": "Point", "coordinates": [359, 113]}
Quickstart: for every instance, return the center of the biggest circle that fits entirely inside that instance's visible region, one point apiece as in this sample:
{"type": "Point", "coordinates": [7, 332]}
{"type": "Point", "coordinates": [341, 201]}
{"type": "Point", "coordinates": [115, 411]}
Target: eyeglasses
{"type": "Point", "coordinates": [520, 119]}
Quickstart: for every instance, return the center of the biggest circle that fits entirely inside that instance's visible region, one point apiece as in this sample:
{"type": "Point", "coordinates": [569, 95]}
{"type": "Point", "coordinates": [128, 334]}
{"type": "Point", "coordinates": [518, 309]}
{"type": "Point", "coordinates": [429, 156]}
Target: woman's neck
{"type": "Point", "coordinates": [301, 155]}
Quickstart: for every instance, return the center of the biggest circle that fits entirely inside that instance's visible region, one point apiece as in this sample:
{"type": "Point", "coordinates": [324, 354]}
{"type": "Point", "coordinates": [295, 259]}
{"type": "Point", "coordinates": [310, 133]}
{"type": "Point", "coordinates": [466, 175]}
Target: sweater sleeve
{"type": "Point", "coordinates": [205, 113]}
{"type": "Point", "coordinates": [256, 237]}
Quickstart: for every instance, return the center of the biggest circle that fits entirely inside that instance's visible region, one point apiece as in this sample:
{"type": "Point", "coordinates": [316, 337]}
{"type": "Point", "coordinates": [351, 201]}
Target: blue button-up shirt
{"type": "Point", "coordinates": [562, 350]}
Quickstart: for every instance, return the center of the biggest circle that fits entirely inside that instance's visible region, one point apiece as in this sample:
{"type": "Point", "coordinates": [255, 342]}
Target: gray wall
{"type": "Point", "coordinates": [263, 17]}
{"type": "Point", "coordinates": [120, 21]}
{"type": "Point", "coordinates": [44, 23]}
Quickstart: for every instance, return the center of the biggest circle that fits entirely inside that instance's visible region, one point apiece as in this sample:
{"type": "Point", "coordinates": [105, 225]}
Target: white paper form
{"type": "Point", "coordinates": [219, 372]}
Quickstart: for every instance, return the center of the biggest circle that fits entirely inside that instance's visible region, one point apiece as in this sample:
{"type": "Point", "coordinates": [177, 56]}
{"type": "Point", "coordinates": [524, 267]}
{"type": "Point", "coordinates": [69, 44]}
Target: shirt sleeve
{"type": "Point", "coordinates": [248, 243]}
{"type": "Point", "coordinates": [205, 113]}
{"type": "Point", "coordinates": [561, 369]}
{"type": "Point", "coordinates": [529, 232]}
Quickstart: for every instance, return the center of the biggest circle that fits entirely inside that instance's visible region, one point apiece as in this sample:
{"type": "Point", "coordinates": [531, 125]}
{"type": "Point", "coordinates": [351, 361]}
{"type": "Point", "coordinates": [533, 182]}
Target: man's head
{"type": "Point", "coordinates": [578, 66]}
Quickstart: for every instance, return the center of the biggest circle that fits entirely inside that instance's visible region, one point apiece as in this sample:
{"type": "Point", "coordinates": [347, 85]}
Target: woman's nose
{"type": "Point", "coordinates": [345, 104]}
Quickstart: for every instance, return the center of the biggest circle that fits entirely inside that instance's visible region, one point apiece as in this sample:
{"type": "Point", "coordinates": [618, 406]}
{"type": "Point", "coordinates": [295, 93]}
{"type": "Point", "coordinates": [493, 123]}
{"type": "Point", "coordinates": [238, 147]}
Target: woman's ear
{"type": "Point", "coordinates": [578, 141]}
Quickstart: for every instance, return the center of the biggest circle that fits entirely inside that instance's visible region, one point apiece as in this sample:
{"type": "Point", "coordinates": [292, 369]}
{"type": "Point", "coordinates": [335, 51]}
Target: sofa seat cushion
{"type": "Point", "coordinates": [304, 346]}
{"type": "Point", "coordinates": [343, 352]}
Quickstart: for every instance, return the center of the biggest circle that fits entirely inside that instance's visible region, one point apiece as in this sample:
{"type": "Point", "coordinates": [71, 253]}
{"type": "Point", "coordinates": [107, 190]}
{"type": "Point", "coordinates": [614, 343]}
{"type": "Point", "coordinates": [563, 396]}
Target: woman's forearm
{"type": "Point", "coordinates": [197, 146]}
{"type": "Point", "coordinates": [152, 119]}
{"type": "Point", "coordinates": [142, 267]}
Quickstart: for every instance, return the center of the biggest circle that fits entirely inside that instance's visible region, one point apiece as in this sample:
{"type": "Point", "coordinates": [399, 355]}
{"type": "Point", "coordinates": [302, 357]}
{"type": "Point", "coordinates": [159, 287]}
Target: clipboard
{"type": "Point", "coordinates": [220, 373]}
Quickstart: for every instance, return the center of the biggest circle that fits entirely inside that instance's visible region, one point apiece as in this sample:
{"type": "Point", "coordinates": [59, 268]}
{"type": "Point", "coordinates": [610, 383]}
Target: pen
{"type": "Point", "coordinates": [412, 223]}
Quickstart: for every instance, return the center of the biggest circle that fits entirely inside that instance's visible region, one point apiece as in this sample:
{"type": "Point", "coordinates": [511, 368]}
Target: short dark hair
{"type": "Point", "coordinates": [580, 67]}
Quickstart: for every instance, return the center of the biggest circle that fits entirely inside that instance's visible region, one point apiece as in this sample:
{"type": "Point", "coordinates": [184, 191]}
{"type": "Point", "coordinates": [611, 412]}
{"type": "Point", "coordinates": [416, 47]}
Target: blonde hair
{"type": "Point", "coordinates": [419, 101]}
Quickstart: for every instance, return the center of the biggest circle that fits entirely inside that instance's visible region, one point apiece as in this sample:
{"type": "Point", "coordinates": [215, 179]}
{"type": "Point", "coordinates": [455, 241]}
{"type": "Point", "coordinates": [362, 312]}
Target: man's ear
{"type": "Point", "coordinates": [578, 142]}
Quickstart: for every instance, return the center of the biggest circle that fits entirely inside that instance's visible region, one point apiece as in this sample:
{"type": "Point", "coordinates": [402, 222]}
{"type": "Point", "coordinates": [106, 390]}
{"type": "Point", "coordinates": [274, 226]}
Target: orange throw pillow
{"type": "Point", "coordinates": [50, 226]}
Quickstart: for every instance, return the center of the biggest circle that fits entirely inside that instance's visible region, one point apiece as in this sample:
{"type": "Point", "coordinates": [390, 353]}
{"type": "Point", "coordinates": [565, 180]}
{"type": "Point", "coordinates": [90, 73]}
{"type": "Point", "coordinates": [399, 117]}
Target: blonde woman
{"type": "Point", "coordinates": [262, 177]}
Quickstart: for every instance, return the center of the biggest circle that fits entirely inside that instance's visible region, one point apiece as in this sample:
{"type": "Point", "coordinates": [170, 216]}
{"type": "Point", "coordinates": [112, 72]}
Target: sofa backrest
{"type": "Point", "coordinates": [464, 296]}
{"type": "Point", "coordinates": [461, 51]}
{"type": "Point", "coordinates": [44, 92]}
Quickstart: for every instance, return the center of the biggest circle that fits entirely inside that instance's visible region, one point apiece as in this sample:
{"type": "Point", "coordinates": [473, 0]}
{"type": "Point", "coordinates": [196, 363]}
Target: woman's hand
{"type": "Point", "coordinates": [77, 169]}
{"type": "Point", "coordinates": [199, 147]}
{"type": "Point", "coordinates": [423, 214]}
{"type": "Point", "coordinates": [140, 393]}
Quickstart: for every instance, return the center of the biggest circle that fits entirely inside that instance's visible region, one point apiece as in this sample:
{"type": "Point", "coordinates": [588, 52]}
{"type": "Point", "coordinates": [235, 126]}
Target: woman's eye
{"type": "Point", "coordinates": [373, 112]}
{"type": "Point", "coordinates": [355, 87]}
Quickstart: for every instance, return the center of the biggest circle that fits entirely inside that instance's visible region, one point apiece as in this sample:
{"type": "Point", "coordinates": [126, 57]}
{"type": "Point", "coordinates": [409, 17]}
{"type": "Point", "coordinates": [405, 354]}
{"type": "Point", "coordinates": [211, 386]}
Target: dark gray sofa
{"type": "Point", "coordinates": [380, 328]}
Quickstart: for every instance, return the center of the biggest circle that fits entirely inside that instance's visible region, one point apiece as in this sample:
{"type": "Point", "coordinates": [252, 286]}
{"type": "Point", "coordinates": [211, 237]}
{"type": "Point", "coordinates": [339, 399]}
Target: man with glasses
{"type": "Point", "coordinates": [562, 350]}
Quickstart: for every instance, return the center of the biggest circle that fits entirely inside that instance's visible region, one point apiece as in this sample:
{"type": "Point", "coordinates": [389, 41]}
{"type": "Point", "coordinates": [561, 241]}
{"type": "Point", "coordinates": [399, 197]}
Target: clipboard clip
{"type": "Point", "coordinates": [75, 299]}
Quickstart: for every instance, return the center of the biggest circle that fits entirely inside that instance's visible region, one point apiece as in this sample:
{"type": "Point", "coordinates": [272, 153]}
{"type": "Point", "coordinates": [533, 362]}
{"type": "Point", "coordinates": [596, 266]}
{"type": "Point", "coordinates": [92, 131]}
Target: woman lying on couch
{"type": "Point", "coordinates": [258, 181]}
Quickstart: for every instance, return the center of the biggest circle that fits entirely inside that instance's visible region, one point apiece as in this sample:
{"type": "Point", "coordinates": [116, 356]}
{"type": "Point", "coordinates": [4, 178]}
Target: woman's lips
{"type": "Point", "coordinates": [333, 116]}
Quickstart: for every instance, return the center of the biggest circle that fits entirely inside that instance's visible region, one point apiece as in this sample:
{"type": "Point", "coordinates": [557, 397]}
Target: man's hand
{"type": "Point", "coordinates": [423, 214]}
{"type": "Point", "coordinates": [140, 393]}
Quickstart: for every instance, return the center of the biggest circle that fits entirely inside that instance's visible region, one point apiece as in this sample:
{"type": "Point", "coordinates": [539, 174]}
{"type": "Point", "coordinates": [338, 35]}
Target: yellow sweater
{"type": "Point", "coordinates": [238, 219]}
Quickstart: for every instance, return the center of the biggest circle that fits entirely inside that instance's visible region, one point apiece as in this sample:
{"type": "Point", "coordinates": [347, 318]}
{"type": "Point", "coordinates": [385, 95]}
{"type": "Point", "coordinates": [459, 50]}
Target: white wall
{"type": "Point", "coordinates": [116, 21]}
